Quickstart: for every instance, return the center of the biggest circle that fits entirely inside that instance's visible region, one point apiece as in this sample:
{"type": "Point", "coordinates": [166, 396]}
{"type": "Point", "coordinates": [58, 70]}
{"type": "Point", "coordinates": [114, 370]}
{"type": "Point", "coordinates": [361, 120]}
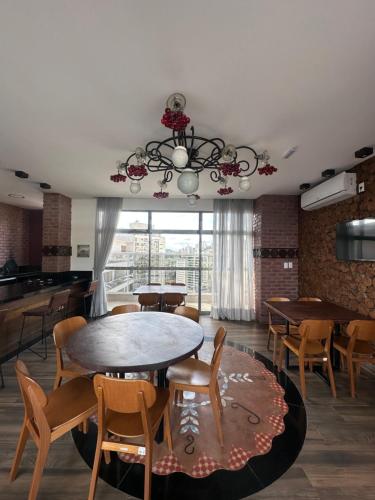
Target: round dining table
{"type": "Point", "coordinates": [135, 342]}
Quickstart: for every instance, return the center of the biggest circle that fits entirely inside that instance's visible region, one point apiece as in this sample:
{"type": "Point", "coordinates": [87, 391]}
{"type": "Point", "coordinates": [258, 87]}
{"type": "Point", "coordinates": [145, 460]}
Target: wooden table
{"type": "Point", "coordinates": [136, 342]}
{"type": "Point", "coordinates": [294, 312]}
{"type": "Point", "coordinates": [161, 289]}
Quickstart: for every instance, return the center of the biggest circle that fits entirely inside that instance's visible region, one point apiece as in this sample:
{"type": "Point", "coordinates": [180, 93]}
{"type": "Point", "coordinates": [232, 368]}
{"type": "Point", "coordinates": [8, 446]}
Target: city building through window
{"type": "Point", "coordinates": [161, 247]}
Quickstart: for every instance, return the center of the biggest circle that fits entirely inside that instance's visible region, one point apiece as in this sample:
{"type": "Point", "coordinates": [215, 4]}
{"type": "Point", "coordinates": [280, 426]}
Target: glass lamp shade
{"type": "Point", "coordinates": [192, 201]}
{"type": "Point", "coordinates": [179, 157]}
{"type": "Point", "coordinates": [135, 187]}
{"type": "Point", "coordinates": [188, 182]}
{"type": "Point", "coordinates": [244, 184]}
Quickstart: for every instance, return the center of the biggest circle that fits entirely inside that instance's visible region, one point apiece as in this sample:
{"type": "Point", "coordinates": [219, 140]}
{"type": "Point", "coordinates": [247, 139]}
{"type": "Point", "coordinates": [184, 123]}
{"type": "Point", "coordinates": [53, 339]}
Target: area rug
{"type": "Point", "coordinates": [254, 410]}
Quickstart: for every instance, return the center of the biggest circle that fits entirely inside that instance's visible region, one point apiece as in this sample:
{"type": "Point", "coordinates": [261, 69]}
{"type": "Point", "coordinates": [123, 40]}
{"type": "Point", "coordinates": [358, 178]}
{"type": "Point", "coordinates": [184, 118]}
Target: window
{"type": "Point", "coordinates": [160, 247]}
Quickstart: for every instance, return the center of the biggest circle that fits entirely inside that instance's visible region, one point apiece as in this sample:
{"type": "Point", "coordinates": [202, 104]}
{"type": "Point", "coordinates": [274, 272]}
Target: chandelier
{"type": "Point", "coordinates": [187, 155]}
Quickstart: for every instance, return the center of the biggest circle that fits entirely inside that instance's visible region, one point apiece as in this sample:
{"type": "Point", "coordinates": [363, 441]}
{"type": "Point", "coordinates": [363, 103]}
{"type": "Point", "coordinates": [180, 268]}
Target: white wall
{"type": "Point", "coordinates": [83, 222]}
{"type": "Point", "coordinates": [83, 233]}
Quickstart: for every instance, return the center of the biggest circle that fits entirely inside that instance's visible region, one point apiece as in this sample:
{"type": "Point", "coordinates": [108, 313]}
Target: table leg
{"type": "Point", "coordinates": [163, 383]}
{"type": "Point", "coordinates": [287, 350]}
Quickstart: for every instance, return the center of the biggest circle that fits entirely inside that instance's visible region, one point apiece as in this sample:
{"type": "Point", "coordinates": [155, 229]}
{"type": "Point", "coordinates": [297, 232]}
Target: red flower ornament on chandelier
{"type": "Point", "coordinates": [118, 178]}
{"type": "Point", "coordinates": [160, 195]}
{"type": "Point", "coordinates": [176, 120]}
{"type": "Point", "coordinates": [267, 169]}
{"type": "Point", "coordinates": [137, 171]}
{"type": "Point", "coordinates": [230, 169]}
{"type": "Point", "coordinates": [224, 191]}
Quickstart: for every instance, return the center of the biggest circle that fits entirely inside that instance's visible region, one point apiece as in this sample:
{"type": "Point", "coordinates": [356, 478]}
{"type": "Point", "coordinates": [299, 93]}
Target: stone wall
{"type": "Point", "coordinates": [350, 284]}
{"type": "Point", "coordinates": [57, 219]}
{"type": "Point", "coordinates": [275, 227]}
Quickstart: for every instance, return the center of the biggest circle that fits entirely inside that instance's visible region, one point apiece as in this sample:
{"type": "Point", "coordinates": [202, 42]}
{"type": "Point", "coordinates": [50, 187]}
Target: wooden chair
{"type": "Point", "coordinates": [58, 304]}
{"type": "Point", "coordinates": [61, 333]}
{"type": "Point", "coordinates": [312, 345]}
{"type": "Point", "coordinates": [196, 376]}
{"type": "Point", "coordinates": [129, 409]}
{"type": "Point", "coordinates": [358, 348]}
{"type": "Point", "coordinates": [309, 299]}
{"type": "Point", "coordinates": [149, 301]}
{"type": "Point", "coordinates": [154, 284]}
{"type": "Point", "coordinates": [85, 294]}
{"type": "Point", "coordinates": [3, 315]}
{"type": "Point", "coordinates": [126, 308]}
{"type": "Point", "coordinates": [172, 300]}
{"type": "Point", "coordinates": [175, 283]}
{"type": "Point", "coordinates": [277, 330]}
{"type": "Point", "coordinates": [48, 417]}
{"type": "Point", "coordinates": [188, 312]}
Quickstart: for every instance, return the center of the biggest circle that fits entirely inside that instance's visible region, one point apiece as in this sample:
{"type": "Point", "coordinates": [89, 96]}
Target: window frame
{"type": "Point", "coordinates": [150, 231]}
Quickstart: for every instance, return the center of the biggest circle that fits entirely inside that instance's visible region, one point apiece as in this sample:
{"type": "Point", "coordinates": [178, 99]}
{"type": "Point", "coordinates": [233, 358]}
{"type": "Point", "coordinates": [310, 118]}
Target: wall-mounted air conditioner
{"type": "Point", "coordinates": [336, 189]}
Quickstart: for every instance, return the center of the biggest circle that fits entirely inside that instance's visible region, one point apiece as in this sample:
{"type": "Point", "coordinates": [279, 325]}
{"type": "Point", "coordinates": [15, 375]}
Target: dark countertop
{"type": "Point", "coordinates": [28, 288]}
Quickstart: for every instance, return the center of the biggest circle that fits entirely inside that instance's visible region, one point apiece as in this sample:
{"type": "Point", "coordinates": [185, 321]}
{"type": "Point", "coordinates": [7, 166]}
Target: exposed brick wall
{"type": "Point", "coordinates": [57, 218]}
{"type": "Point", "coordinates": [275, 225]}
{"type": "Point", "coordinates": [14, 234]}
{"type": "Point", "coordinates": [350, 284]}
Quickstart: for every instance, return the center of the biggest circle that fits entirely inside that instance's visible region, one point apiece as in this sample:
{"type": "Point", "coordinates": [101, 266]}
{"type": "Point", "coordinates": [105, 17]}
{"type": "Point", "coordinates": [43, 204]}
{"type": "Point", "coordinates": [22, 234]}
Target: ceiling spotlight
{"type": "Point", "coordinates": [330, 172]}
{"type": "Point", "coordinates": [364, 152]}
{"type": "Point", "coordinates": [44, 185]}
{"type": "Point", "coordinates": [21, 174]}
{"type": "Point", "coordinates": [16, 195]}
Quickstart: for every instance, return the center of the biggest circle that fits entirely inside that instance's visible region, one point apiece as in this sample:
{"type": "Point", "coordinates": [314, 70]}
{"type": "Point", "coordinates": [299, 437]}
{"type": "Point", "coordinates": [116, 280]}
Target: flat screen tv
{"type": "Point", "coordinates": [355, 240]}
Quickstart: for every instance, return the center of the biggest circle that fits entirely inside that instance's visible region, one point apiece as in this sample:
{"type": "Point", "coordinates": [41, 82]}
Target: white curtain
{"type": "Point", "coordinates": [107, 215]}
{"type": "Point", "coordinates": [232, 287]}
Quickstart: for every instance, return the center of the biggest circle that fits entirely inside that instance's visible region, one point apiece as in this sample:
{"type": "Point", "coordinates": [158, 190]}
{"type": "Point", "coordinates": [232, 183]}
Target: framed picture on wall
{"type": "Point", "coordinates": [83, 250]}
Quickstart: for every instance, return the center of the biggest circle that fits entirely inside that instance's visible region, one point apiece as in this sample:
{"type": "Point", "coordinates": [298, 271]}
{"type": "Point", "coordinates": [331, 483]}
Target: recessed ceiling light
{"type": "Point", "coordinates": [16, 195]}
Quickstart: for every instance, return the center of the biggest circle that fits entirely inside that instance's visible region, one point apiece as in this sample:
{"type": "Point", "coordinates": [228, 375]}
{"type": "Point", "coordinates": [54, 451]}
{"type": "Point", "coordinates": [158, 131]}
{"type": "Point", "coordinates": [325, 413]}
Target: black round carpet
{"type": "Point", "coordinates": [224, 482]}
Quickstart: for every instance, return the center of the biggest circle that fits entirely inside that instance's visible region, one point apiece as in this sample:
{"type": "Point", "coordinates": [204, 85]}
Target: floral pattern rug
{"type": "Point", "coordinates": [254, 410]}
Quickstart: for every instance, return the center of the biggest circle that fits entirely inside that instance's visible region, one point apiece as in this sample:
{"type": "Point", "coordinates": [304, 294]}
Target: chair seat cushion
{"type": "Point", "coordinates": [190, 372]}
{"type": "Point", "coordinates": [70, 400]}
{"type": "Point", "coordinates": [360, 347]}
{"type": "Point", "coordinates": [130, 424]}
{"type": "Point", "coordinates": [313, 347]}
{"type": "Point", "coordinates": [38, 311]}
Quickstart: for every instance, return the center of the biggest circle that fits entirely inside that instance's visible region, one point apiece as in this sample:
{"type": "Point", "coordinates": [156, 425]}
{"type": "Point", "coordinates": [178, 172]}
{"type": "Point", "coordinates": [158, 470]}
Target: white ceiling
{"type": "Point", "coordinates": [83, 82]}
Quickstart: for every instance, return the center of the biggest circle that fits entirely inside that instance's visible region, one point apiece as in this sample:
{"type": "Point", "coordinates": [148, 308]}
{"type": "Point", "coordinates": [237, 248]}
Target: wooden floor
{"type": "Point", "coordinates": [337, 461]}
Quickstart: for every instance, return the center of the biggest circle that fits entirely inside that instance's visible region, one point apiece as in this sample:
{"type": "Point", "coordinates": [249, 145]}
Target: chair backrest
{"type": "Point", "coordinates": [275, 299]}
{"type": "Point", "coordinates": [309, 299]}
{"type": "Point", "coordinates": [93, 285]}
{"type": "Point", "coordinates": [362, 330]}
{"type": "Point", "coordinates": [188, 312]}
{"type": "Point", "coordinates": [173, 299]}
{"type": "Point", "coordinates": [316, 329]}
{"type": "Point", "coordinates": [33, 396]}
{"type": "Point", "coordinates": [123, 396]}
{"type": "Point", "coordinates": [64, 329]}
{"type": "Point", "coordinates": [218, 351]}
{"type": "Point", "coordinates": [154, 284]}
{"type": "Point", "coordinates": [149, 299]}
{"type": "Point", "coordinates": [59, 301]}
{"type": "Point", "coordinates": [125, 308]}
{"type": "Point", "coordinates": [175, 283]}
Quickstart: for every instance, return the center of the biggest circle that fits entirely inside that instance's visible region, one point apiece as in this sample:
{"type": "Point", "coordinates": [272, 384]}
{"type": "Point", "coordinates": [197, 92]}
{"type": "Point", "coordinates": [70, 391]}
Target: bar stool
{"type": "Point", "coordinates": [2, 321]}
{"type": "Point", "coordinates": [85, 294]}
{"type": "Point", "coordinates": [58, 304]}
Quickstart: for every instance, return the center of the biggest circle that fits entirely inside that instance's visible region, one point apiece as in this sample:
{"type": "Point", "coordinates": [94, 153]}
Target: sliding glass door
{"type": "Point", "coordinates": [161, 247]}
